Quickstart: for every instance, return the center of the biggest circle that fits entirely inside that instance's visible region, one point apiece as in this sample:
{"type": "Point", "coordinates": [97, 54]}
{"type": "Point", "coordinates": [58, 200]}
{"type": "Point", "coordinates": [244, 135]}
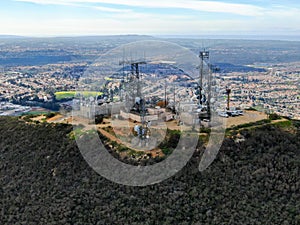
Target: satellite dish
{"type": "Point", "coordinates": [137, 100]}
{"type": "Point", "coordinates": [137, 128]}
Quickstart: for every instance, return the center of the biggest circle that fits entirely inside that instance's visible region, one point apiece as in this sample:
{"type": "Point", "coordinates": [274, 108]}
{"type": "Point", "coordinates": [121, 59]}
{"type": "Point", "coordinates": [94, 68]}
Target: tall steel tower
{"type": "Point", "coordinates": [134, 90]}
{"type": "Point", "coordinates": [204, 56]}
{"type": "Point", "coordinates": [133, 80]}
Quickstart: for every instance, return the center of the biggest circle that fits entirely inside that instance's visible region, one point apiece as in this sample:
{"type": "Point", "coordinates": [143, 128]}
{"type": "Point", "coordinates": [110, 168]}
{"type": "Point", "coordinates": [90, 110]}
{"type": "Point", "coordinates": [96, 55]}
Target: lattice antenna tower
{"type": "Point", "coordinates": [204, 58]}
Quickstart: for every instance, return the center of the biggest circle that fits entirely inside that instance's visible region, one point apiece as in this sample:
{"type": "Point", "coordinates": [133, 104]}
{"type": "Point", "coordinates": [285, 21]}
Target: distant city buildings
{"type": "Point", "coordinates": [274, 91]}
{"type": "Point", "coordinates": [38, 83]}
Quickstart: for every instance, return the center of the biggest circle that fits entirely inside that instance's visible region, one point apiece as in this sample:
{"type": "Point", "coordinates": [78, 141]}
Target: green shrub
{"type": "Point", "coordinates": [50, 115]}
{"type": "Point", "coordinates": [274, 116]}
{"type": "Point", "coordinates": [99, 119]}
{"type": "Point", "coordinates": [167, 151]}
{"type": "Point", "coordinates": [284, 124]}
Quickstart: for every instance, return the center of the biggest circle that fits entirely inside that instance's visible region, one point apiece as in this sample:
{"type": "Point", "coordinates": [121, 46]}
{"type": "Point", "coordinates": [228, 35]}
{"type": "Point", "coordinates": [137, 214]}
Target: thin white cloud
{"type": "Point", "coordinates": [155, 25]}
{"type": "Point", "coordinates": [113, 10]}
{"type": "Point", "coordinates": [283, 12]}
{"type": "Point", "coordinates": [273, 19]}
{"type": "Point", "coordinates": [47, 2]}
{"type": "Point", "coordinates": [76, 4]}
{"type": "Point", "coordinates": [205, 6]}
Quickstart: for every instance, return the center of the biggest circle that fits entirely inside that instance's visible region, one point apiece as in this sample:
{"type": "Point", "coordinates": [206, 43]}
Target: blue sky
{"type": "Point", "coordinates": [153, 17]}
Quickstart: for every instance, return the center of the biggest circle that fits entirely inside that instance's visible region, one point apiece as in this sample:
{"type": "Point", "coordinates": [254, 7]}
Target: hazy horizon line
{"type": "Point", "coordinates": [286, 37]}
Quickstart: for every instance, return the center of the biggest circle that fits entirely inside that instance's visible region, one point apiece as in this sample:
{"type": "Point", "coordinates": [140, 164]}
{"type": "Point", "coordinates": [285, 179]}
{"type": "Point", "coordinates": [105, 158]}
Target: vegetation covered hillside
{"type": "Point", "coordinates": [44, 180]}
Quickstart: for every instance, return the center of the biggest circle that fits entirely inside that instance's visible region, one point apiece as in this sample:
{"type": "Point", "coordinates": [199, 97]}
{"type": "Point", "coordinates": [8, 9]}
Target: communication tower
{"type": "Point", "coordinates": [134, 96]}
{"type": "Point", "coordinates": [205, 99]}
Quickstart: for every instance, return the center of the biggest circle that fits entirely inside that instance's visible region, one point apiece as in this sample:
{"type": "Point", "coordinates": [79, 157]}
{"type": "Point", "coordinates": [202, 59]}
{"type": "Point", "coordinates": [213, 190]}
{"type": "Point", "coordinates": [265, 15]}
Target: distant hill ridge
{"type": "Point", "coordinates": [11, 36]}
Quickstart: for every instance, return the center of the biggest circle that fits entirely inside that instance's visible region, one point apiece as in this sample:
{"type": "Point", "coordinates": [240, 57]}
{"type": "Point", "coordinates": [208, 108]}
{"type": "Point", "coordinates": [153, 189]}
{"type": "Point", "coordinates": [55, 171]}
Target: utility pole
{"type": "Point", "coordinates": [165, 93]}
{"type": "Point", "coordinates": [174, 90]}
{"type": "Point", "coordinates": [228, 92]}
{"type": "Point", "coordinates": [211, 69]}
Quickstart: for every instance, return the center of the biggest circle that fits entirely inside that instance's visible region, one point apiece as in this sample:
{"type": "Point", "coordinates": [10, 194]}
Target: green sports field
{"type": "Point", "coordinates": [71, 94]}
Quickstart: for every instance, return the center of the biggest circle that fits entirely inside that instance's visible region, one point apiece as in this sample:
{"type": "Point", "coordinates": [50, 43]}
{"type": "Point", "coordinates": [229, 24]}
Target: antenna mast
{"type": "Point", "coordinates": [135, 88]}
{"type": "Point", "coordinates": [204, 56]}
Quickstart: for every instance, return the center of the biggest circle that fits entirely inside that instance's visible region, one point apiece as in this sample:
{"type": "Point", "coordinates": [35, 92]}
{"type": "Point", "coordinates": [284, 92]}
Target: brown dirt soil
{"type": "Point", "coordinates": [248, 117]}
{"type": "Point", "coordinates": [38, 118]}
{"type": "Point", "coordinates": [55, 118]}
{"type": "Point", "coordinates": [154, 152]}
